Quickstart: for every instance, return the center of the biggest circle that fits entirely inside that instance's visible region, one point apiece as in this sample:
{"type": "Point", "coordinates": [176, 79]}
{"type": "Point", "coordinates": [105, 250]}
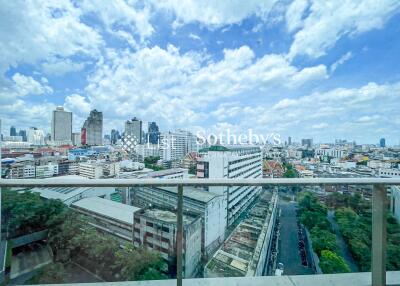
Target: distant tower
{"type": "Point", "coordinates": [153, 133]}
{"type": "Point", "coordinates": [92, 130]}
{"type": "Point", "coordinates": [61, 125]}
{"type": "Point", "coordinates": [290, 141]}
{"type": "Point", "coordinates": [13, 131]}
{"type": "Point", "coordinates": [382, 143]}
{"type": "Point", "coordinates": [134, 128]}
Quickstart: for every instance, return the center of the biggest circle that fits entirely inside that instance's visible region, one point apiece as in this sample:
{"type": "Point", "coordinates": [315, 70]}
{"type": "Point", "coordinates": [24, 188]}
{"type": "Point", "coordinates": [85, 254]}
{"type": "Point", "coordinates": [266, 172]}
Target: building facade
{"type": "Point", "coordinates": [92, 130]}
{"type": "Point", "coordinates": [232, 162]}
{"type": "Point", "coordinates": [61, 125]}
{"type": "Point", "coordinates": [133, 128]}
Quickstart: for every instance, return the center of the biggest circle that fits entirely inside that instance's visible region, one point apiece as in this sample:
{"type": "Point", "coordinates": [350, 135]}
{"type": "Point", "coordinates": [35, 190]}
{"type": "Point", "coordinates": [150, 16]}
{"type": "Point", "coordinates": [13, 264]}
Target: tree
{"type": "Point", "coordinates": [51, 274]}
{"type": "Point", "coordinates": [323, 240]}
{"type": "Point", "coordinates": [330, 262]}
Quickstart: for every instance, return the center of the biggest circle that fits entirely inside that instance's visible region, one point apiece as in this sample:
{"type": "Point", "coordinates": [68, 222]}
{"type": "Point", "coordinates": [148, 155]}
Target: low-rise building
{"type": "Point", "coordinates": [156, 229]}
{"type": "Point", "coordinates": [90, 170]}
{"type": "Point", "coordinates": [209, 206]}
{"type": "Point", "coordinates": [108, 216]}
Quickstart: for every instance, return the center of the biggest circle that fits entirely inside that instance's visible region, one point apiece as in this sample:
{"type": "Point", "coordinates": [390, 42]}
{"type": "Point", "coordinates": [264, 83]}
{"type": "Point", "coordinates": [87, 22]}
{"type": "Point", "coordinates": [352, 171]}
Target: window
{"type": "Point", "coordinates": [149, 224]}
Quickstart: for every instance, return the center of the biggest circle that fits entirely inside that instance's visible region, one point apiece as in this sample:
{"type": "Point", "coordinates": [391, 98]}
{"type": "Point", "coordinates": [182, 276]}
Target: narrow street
{"type": "Point", "coordinates": [344, 250]}
{"type": "Point", "coordinates": [288, 242]}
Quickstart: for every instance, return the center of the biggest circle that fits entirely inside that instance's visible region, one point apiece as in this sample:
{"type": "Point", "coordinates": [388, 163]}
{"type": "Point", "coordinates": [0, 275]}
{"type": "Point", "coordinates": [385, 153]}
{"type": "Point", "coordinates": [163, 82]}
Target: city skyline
{"type": "Point", "coordinates": [290, 67]}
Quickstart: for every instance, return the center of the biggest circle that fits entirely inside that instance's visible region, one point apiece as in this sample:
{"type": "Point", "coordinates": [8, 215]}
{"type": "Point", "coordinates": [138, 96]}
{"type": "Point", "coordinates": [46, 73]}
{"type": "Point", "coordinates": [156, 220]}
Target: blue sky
{"type": "Point", "coordinates": [302, 68]}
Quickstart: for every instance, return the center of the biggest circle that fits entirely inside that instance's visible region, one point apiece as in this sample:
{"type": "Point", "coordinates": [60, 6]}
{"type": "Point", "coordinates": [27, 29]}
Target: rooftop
{"type": "Point", "coordinates": [193, 193]}
{"type": "Point", "coordinates": [107, 208]}
{"type": "Point", "coordinates": [166, 216]}
{"type": "Point", "coordinates": [236, 255]}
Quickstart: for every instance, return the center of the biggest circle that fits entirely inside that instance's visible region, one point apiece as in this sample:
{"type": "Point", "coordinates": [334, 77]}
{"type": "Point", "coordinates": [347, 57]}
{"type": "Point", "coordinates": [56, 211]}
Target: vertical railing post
{"type": "Point", "coordinates": [378, 263]}
{"type": "Point", "coordinates": [179, 238]}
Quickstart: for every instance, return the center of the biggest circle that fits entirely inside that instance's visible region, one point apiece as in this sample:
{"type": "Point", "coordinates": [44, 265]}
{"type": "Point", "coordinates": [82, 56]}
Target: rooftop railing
{"type": "Point", "coordinates": [379, 197]}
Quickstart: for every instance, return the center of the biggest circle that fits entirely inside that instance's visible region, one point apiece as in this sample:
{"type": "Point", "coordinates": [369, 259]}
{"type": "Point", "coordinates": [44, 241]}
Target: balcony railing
{"type": "Point", "coordinates": [379, 196]}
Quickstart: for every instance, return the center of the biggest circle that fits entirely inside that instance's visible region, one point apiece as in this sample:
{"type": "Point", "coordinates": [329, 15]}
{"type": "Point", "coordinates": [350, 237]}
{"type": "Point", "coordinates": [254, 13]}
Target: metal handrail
{"type": "Point", "coordinates": [60, 182]}
{"type": "Point", "coordinates": [379, 196]}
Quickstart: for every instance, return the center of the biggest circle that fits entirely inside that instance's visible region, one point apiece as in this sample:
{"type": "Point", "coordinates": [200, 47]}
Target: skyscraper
{"type": "Point", "coordinates": [114, 136]}
{"type": "Point", "coordinates": [153, 133]}
{"type": "Point", "coordinates": [134, 128]}
{"type": "Point", "coordinates": [61, 125]}
{"type": "Point", "coordinates": [13, 131]}
{"type": "Point", "coordinates": [382, 143]}
{"type": "Point", "coordinates": [307, 143]}
{"type": "Point", "coordinates": [290, 141]}
{"type": "Point", "coordinates": [22, 133]}
{"type": "Point", "coordinates": [92, 130]}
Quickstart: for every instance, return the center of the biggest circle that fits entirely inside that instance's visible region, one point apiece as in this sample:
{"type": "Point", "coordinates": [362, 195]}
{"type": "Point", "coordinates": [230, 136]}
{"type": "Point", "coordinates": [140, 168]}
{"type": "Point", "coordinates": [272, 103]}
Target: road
{"type": "Point", "coordinates": [288, 242]}
{"type": "Point", "coordinates": [344, 251]}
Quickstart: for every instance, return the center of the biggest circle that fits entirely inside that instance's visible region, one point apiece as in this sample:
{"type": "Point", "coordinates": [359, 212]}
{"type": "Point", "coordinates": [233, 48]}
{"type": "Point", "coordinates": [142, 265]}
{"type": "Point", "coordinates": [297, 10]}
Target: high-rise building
{"type": "Point", "coordinates": [382, 143]}
{"type": "Point", "coordinates": [92, 130]}
{"type": "Point", "coordinates": [290, 141]}
{"type": "Point", "coordinates": [114, 136]}
{"type": "Point", "coordinates": [307, 143]}
{"type": "Point", "coordinates": [13, 131]}
{"type": "Point", "coordinates": [22, 133]}
{"type": "Point", "coordinates": [175, 145]}
{"type": "Point", "coordinates": [61, 125]}
{"type": "Point", "coordinates": [36, 136]}
{"type": "Point", "coordinates": [153, 133]}
{"type": "Point", "coordinates": [133, 128]}
{"type": "Point", "coordinates": [232, 162]}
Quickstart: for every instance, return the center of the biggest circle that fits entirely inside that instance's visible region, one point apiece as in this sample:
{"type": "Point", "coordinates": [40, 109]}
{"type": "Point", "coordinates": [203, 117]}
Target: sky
{"type": "Point", "coordinates": [305, 68]}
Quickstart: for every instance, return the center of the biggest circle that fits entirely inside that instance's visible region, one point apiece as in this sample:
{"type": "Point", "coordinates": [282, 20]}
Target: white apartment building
{"type": "Point", "coordinates": [147, 150]}
{"type": "Point", "coordinates": [175, 145]}
{"type": "Point", "coordinates": [46, 171]}
{"type": "Point", "coordinates": [389, 172]}
{"type": "Point", "coordinates": [376, 164]}
{"type": "Point", "coordinates": [22, 171]}
{"type": "Point", "coordinates": [35, 137]}
{"type": "Point", "coordinates": [232, 162]}
{"type": "Point", "coordinates": [90, 170]}
{"type": "Point", "coordinates": [331, 152]}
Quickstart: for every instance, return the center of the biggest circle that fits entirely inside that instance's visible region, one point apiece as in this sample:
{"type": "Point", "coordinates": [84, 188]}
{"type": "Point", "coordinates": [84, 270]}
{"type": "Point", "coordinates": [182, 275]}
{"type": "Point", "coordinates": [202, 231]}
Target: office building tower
{"type": "Point", "coordinates": [114, 136]}
{"type": "Point", "coordinates": [382, 143]}
{"type": "Point", "coordinates": [133, 128]}
{"type": "Point", "coordinates": [307, 143]}
{"type": "Point", "coordinates": [232, 162]}
{"type": "Point", "coordinates": [92, 130]}
{"type": "Point", "coordinates": [153, 134]}
{"type": "Point", "coordinates": [290, 141]}
{"type": "Point", "coordinates": [61, 125]}
{"type": "Point", "coordinates": [22, 133]}
{"type": "Point", "coordinates": [13, 131]}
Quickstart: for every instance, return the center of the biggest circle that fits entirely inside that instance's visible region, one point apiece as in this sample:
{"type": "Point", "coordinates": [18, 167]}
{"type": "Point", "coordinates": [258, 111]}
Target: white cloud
{"type": "Point", "coordinates": [176, 88]}
{"type": "Point", "coordinates": [194, 37]}
{"type": "Point", "coordinates": [31, 31]}
{"type": "Point", "coordinates": [77, 104]}
{"type": "Point", "coordinates": [328, 21]}
{"type": "Point", "coordinates": [59, 67]}
{"type": "Point", "coordinates": [347, 56]}
{"type": "Point", "coordinates": [294, 14]}
{"type": "Point", "coordinates": [25, 85]}
{"type": "Point", "coordinates": [215, 13]}
{"type": "Point", "coordinates": [119, 14]}
{"type": "Point", "coordinates": [321, 125]}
